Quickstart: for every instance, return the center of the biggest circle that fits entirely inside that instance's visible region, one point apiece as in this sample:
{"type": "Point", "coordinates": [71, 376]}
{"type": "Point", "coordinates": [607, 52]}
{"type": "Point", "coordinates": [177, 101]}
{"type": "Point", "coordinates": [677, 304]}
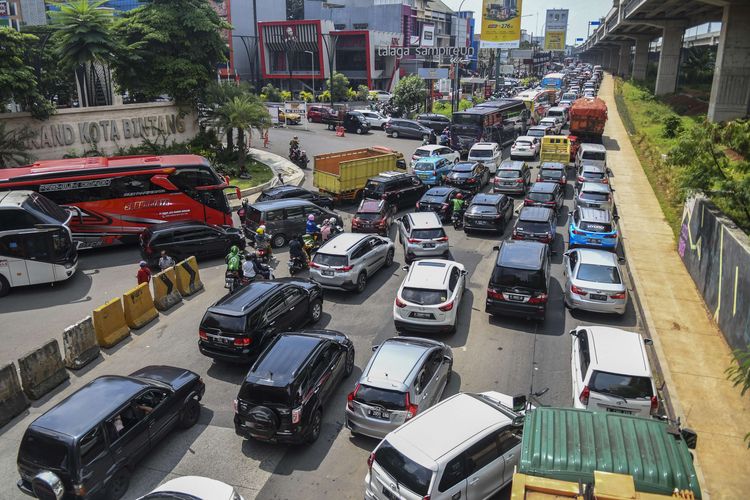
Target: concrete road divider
{"type": "Point", "coordinates": [166, 294]}
{"type": "Point", "coordinates": [139, 306]}
{"type": "Point", "coordinates": [188, 277]}
{"type": "Point", "coordinates": [79, 344]}
{"type": "Point", "coordinates": [12, 399]}
{"type": "Point", "coordinates": [109, 323]}
{"type": "Point", "coordinates": [42, 370]}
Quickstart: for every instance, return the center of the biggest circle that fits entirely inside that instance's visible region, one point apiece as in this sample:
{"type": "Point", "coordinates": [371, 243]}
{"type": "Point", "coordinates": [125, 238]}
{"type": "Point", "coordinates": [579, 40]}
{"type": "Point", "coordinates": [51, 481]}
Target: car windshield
{"type": "Point", "coordinates": [543, 197]}
{"type": "Point", "coordinates": [596, 227]}
{"type": "Point", "coordinates": [375, 187]}
{"type": "Point", "coordinates": [626, 386]}
{"type": "Point", "coordinates": [585, 195]}
{"type": "Point", "coordinates": [532, 227]}
{"type": "Point", "coordinates": [406, 472]}
{"type": "Point", "coordinates": [535, 133]}
{"type": "Point", "coordinates": [424, 296]}
{"type": "Point", "coordinates": [552, 173]}
{"type": "Point", "coordinates": [44, 452]}
{"type": "Point", "coordinates": [481, 153]}
{"type": "Point", "coordinates": [593, 175]}
{"type": "Point", "coordinates": [431, 198]}
{"type": "Point", "coordinates": [532, 279]}
{"type": "Point", "coordinates": [229, 324]}
{"type": "Point", "coordinates": [599, 274]}
{"type": "Point", "coordinates": [325, 259]}
{"type": "Point", "coordinates": [509, 174]}
{"type": "Point", "coordinates": [594, 155]}
{"type": "Point", "coordinates": [425, 166]}
{"type": "Point", "coordinates": [390, 400]}
{"type": "Point", "coordinates": [428, 234]}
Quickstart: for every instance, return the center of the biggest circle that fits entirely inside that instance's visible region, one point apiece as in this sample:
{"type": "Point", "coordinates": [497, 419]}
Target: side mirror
{"type": "Point", "coordinates": [616, 217]}
{"type": "Point", "coordinates": [496, 248]}
{"type": "Point", "coordinates": [648, 341]}
{"type": "Point", "coordinates": [690, 437]}
{"type": "Point", "coordinates": [574, 332]}
{"type": "Point", "coordinates": [447, 359]}
{"type": "Point", "coordinates": [464, 272]}
{"type": "Point", "coordinates": [621, 260]}
{"type": "Point", "coordinates": [518, 211]}
{"type": "Point", "coordinates": [405, 268]}
{"type": "Point", "coordinates": [375, 347]}
{"type": "Point", "coordinates": [519, 402]}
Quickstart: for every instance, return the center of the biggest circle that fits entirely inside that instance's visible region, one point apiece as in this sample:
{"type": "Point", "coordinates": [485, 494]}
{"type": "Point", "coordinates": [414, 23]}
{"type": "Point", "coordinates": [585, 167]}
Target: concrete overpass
{"type": "Point", "coordinates": [637, 22]}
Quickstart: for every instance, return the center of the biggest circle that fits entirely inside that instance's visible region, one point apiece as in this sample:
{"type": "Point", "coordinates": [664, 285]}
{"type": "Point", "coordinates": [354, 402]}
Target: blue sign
{"type": "Point", "coordinates": [579, 39]}
{"type": "Point", "coordinates": [595, 23]}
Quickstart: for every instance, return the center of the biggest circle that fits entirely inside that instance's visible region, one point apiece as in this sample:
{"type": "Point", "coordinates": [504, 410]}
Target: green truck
{"type": "Point", "coordinates": [343, 175]}
{"type": "Point", "coordinates": [571, 453]}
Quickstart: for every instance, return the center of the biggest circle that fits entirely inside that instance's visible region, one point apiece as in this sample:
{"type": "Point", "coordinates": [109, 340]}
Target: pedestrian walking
{"type": "Point", "coordinates": [165, 261]}
{"type": "Point", "coordinates": [265, 139]}
{"type": "Point", "coordinates": [144, 273]}
{"type": "Point", "coordinates": [281, 178]}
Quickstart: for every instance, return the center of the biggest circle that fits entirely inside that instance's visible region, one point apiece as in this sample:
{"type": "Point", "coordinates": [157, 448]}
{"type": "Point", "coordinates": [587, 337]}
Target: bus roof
{"type": "Point", "coordinates": [99, 162]}
{"type": "Point", "coordinates": [553, 75]}
{"type": "Point", "coordinates": [501, 104]}
{"type": "Point", "coordinates": [529, 95]}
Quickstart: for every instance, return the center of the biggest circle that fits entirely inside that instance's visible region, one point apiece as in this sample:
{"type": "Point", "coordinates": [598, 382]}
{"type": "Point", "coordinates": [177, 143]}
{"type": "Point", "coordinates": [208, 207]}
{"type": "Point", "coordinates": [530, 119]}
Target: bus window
{"type": "Point", "coordinates": [12, 246]}
{"type": "Point", "coordinates": [36, 246]}
{"type": "Point", "coordinates": [36, 202]}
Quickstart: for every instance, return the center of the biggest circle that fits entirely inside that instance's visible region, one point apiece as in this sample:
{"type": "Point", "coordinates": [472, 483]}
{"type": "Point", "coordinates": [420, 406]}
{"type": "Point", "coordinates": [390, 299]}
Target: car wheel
{"type": "Point", "coordinates": [455, 161]}
{"type": "Point", "coordinates": [349, 367]}
{"type": "Point", "coordinates": [394, 134]}
{"type": "Point", "coordinates": [4, 286]}
{"type": "Point", "coordinates": [316, 311]}
{"type": "Point", "coordinates": [359, 131]}
{"type": "Point", "coordinates": [389, 258]}
{"type": "Point", "coordinates": [118, 484]}
{"type": "Point", "coordinates": [361, 282]}
{"type": "Point", "coordinates": [190, 414]}
{"type": "Point", "coordinates": [315, 425]}
{"type": "Point", "coordinates": [278, 240]}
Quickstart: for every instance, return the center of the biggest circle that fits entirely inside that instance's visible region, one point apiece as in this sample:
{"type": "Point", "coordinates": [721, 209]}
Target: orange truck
{"type": "Point", "coordinates": [587, 119]}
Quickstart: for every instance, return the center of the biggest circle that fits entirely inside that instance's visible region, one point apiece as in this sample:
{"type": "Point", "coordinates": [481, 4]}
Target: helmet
{"type": "Point", "coordinates": [234, 249]}
{"type": "Point", "coordinates": [311, 217]}
{"type": "Point", "coordinates": [250, 255]}
{"type": "Point", "coordinates": [332, 221]}
{"type": "Point", "coordinates": [460, 196]}
{"type": "Point", "coordinates": [143, 263]}
{"type": "Point", "coordinates": [263, 227]}
{"type": "Point", "coordinates": [259, 230]}
{"type": "Point", "coordinates": [295, 137]}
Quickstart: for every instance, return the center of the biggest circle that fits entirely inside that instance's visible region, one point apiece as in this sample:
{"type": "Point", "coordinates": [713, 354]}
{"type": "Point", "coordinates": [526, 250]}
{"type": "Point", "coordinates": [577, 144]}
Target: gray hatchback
{"type": "Point", "coordinates": [405, 375]}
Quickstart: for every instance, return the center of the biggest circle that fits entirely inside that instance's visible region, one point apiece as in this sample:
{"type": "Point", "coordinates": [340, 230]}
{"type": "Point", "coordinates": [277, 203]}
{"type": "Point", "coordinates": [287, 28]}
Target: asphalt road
{"type": "Point", "coordinates": [512, 356]}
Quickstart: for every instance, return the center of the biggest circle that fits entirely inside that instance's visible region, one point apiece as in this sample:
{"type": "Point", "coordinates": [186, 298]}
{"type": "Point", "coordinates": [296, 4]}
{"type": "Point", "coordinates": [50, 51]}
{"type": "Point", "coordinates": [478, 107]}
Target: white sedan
{"type": "Point", "coordinates": [526, 147]}
{"type": "Point", "coordinates": [374, 119]}
{"type": "Point", "coordinates": [435, 150]}
{"type": "Point", "coordinates": [188, 487]}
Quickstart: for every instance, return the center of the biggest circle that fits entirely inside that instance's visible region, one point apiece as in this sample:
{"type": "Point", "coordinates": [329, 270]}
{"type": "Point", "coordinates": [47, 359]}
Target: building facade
{"type": "Point", "coordinates": [10, 14]}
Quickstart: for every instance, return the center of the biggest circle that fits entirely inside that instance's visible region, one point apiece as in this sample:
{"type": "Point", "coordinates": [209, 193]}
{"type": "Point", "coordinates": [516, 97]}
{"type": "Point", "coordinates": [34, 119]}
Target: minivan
{"type": "Point", "coordinates": [422, 235]}
{"type": "Point", "coordinates": [519, 284]}
{"type": "Point", "coordinates": [591, 154]}
{"type": "Point", "coordinates": [348, 260]}
{"type": "Point", "coordinates": [284, 218]}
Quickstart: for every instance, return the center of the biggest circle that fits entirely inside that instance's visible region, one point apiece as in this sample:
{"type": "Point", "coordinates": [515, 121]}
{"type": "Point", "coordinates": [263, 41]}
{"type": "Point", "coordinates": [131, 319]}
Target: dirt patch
{"type": "Point", "coordinates": [733, 155]}
{"type": "Point", "coordinates": [686, 104]}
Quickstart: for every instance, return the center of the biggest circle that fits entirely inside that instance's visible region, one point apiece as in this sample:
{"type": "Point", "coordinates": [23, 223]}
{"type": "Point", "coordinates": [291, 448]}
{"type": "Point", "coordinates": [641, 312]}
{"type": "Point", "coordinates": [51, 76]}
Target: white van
{"type": "Point", "coordinates": [591, 154]}
{"type": "Point", "coordinates": [489, 153]}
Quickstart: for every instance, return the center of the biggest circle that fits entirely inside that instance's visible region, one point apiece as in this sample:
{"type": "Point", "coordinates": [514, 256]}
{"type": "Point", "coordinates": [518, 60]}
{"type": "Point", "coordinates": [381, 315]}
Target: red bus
{"type": "Point", "coordinates": [120, 196]}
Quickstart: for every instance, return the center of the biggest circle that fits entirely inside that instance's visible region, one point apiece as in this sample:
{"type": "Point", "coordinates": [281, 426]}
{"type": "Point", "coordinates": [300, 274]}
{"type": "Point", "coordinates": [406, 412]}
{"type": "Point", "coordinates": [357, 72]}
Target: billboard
{"type": "Point", "coordinates": [433, 73]}
{"type": "Point", "coordinates": [556, 29]}
{"type": "Point", "coordinates": [4, 9]}
{"type": "Point", "coordinates": [501, 24]}
{"type": "Point", "coordinates": [428, 35]}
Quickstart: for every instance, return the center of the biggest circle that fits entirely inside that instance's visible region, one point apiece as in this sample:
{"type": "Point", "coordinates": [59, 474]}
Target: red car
{"type": "Point", "coordinates": [373, 216]}
{"type": "Point", "coordinates": [315, 114]}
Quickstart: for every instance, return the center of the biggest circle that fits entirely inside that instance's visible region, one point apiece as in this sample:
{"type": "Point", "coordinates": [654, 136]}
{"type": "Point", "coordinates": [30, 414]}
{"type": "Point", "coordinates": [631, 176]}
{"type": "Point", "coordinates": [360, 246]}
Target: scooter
{"type": "Point", "coordinates": [458, 220]}
{"type": "Point", "coordinates": [297, 265]}
{"type": "Point", "coordinates": [299, 157]}
{"type": "Point", "coordinates": [232, 281]}
{"type": "Point", "coordinates": [311, 242]}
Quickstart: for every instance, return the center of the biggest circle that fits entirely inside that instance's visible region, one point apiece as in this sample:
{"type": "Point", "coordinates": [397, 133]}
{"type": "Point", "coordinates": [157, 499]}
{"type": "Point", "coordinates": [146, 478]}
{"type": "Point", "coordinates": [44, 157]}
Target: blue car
{"type": "Point", "coordinates": [591, 227]}
{"type": "Point", "coordinates": [432, 169]}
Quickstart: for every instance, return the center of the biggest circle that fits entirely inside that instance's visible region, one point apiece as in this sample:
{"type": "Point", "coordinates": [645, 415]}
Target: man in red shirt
{"type": "Point", "coordinates": [144, 273]}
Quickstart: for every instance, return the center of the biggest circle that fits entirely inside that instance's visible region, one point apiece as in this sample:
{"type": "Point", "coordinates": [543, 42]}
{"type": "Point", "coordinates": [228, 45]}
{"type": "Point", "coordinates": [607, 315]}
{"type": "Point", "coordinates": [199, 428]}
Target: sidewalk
{"type": "Point", "coordinates": [691, 350]}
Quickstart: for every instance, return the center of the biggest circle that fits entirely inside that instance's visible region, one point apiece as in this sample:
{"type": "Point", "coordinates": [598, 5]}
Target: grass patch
{"type": "Point", "coordinates": [259, 173]}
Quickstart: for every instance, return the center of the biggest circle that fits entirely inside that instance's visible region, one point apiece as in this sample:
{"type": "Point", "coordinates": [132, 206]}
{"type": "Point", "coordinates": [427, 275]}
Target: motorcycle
{"type": "Point", "coordinates": [297, 265]}
{"type": "Point", "coordinates": [458, 220]}
{"type": "Point", "coordinates": [298, 157]}
{"type": "Point", "coordinates": [311, 242]}
{"type": "Point", "coordinates": [232, 281]}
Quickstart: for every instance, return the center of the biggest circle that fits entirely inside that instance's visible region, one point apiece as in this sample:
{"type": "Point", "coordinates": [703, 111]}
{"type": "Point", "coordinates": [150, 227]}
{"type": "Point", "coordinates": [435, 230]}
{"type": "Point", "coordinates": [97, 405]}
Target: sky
{"type": "Point", "coordinates": [581, 12]}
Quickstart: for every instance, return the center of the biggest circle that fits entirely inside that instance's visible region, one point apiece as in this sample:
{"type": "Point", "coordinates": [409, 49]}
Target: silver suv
{"type": "Point", "coordinates": [405, 376]}
{"type": "Point", "coordinates": [348, 260]}
{"type": "Point", "coordinates": [422, 235]}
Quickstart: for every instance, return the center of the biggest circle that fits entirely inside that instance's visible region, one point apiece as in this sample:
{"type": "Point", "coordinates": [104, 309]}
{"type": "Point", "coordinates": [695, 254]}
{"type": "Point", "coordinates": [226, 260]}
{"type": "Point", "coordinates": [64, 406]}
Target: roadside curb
{"type": "Point", "coordinates": [290, 173]}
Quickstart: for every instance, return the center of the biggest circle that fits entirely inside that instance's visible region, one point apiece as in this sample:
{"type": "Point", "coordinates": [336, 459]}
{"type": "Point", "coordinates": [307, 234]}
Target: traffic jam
{"type": "Point", "coordinates": [527, 172]}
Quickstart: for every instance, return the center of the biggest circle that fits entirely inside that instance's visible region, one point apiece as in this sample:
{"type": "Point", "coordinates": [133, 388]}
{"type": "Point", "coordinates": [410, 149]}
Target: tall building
{"type": "Point", "coordinates": [10, 14]}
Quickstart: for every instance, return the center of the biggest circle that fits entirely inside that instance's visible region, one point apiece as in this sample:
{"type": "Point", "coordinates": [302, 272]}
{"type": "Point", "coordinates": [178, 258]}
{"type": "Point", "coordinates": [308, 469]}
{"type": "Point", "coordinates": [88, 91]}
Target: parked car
{"type": "Point", "coordinates": [469, 175]}
{"type": "Point", "coordinates": [355, 122]}
{"type": "Point", "coordinates": [399, 127]}
{"type": "Point", "coordinates": [431, 150]}
{"type": "Point", "coordinates": [611, 372]}
{"type": "Point", "coordinates": [284, 218]}
{"type": "Point", "coordinates": [535, 224]}
{"type": "Point", "coordinates": [489, 153]}
{"type": "Point", "coordinates": [87, 445]}
{"type": "Point", "coordinates": [512, 177]}
{"type": "Point", "coordinates": [432, 456]}
{"type": "Point", "coordinates": [591, 173]}
{"type": "Point", "coordinates": [283, 395]}
{"type": "Point", "coordinates": [545, 194]}
{"type": "Point", "coordinates": [438, 200]}
{"type": "Point", "coordinates": [525, 146]}
{"type": "Point", "coordinates": [552, 172]}
{"type": "Point", "coordinates": [284, 192]}
{"type": "Point", "coordinates": [488, 212]}
{"type": "Point", "coordinates": [193, 488]}
{"type": "Point", "coordinates": [594, 195]}
{"type": "Point", "coordinates": [316, 114]}
{"type": "Point", "coordinates": [405, 376]}
{"type": "Point", "coordinates": [381, 95]}
{"type": "Point", "coordinates": [429, 298]}
{"type": "Point", "coordinates": [592, 227]}
{"type": "Point", "coordinates": [181, 239]}
{"type": "Point", "coordinates": [594, 281]}
{"type": "Point", "coordinates": [432, 170]}
{"type": "Point", "coordinates": [348, 260]}
{"type": "Point", "coordinates": [421, 235]}
{"type": "Point", "coordinates": [436, 122]}
{"type": "Point", "coordinates": [374, 119]}
{"type": "Point", "coordinates": [373, 216]}
{"type": "Point", "coordinates": [519, 284]}
{"type": "Point", "coordinates": [399, 189]}
{"type": "Point", "coordinates": [240, 325]}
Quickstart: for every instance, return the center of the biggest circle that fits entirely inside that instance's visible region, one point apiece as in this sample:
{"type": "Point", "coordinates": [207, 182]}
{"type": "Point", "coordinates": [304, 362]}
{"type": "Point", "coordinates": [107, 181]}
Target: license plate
{"type": "Point", "coordinates": [422, 315]}
{"type": "Point", "coordinates": [481, 222]}
{"type": "Point", "coordinates": [220, 340]}
{"type": "Point", "coordinates": [428, 245]}
{"type": "Point", "coordinates": [387, 494]}
{"type": "Point", "coordinates": [594, 241]}
{"type": "Point", "coordinates": [617, 410]}
{"type": "Point", "coordinates": [517, 298]}
{"type": "Point", "coordinates": [595, 296]}
{"type": "Point", "coordinates": [327, 273]}
{"type": "Point", "coordinates": [228, 284]}
{"type": "Point", "coordinates": [384, 415]}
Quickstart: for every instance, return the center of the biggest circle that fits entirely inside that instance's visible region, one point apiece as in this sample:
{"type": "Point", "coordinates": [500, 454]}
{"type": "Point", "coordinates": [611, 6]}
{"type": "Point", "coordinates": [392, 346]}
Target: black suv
{"type": "Point", "coordinates": [355, 122]}
{"type": "Point", "coordinates": [240, 325]}
{"type": "Point", "coordinates": [468, 175]}
{"type": "Point", "coordinates": [488, 212]}
{"type": "Point", "coordinates": [283, 192]}
{"type": "Point", "coordinates": [88, 444]}
{"type": "Point", "coordinates": [284, 393]}
{"type": "Point", "coordinates": [535, 223]}
{"type": "Point", "coordinates": [397, 188]}
{"type": "Point", "coordinates": [434, 121]}
{"type": "Point", "coordinates": [186, 238]}
{"type": "Point", "coordinates": [519, 285]}
{"type": "Point", "coordinates": [545, 194]}
{"type": "Point", "coordinates": [439, 200]}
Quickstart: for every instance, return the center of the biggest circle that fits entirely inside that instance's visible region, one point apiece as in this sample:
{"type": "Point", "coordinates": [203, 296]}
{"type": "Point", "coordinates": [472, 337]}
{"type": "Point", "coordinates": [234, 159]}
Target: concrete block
{"type": "Point", "coordinates": [79, 344]}
{"type": "Point", "coordinates": [42, 370]}
{"type": "Point", "coordinates": [12, 399]}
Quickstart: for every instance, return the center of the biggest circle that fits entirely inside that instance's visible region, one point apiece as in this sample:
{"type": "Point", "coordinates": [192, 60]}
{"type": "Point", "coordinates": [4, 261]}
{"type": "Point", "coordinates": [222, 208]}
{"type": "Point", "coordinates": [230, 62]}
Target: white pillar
{"type": "Point", "coordinates": [669, 59]}
{"type": "Point", "coordinates": [730, 90]}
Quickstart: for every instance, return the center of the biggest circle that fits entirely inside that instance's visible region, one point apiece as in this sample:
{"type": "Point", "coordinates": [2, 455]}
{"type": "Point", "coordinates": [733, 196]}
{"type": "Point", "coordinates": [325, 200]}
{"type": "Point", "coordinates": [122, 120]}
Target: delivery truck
{"type": "Point", "coordinates": [587, 119]}
{"type": "Point", "coordinates": [343, 175]}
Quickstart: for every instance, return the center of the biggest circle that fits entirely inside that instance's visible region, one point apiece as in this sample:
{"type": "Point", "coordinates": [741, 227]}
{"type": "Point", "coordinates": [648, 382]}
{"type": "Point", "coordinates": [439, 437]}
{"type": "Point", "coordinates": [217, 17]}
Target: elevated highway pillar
{"type": "Point", "coordinates": [612, 62]}
{"type": "Point", "coordinates": [640, 59]}
{"type": "Point", "coordinates": [669, 59]}
{"type": "Point", "coordinates": [730, 90]}
{"type": "Point", "coordinates": [623, 64]}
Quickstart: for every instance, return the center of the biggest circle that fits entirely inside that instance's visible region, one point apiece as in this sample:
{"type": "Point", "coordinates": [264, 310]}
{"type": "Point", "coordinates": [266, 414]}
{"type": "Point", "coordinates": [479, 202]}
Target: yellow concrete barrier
{"type": "Point", "coordinates": [166, 294]}
{"type": "Point", "coordinates": [109, 323]}
{"type": "Point", "coordinates": [188, 277]}
{"type": "Point", "coordinates": [139, 306]}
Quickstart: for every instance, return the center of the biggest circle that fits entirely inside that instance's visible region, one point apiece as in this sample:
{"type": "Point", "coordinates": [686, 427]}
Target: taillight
{"type": "Point", "coordinates": [411, 410]}
{"type": "Point", "coordinates": [527, 202]}
{"type": "Point", "coordinates": [149, 250]}
{"type": "Point", "coordinates": [618, 295]}
{"type": "Point", "coordinates": [384, 197]}
{"type": "Point", "coordinates": [346, 268]}
{"type": "Point", "coordinates": [413, 240]}
{"type": "Point", "coordinates": [494, 294]}
{"type": "Point", "coordinates": [234, 406]}
{"type": "Point", "coordinates": [296, 415]}
{"type": "Point", "coordinates": [584, 397]}
{"type": "Point", "coordinates": [563, 180]}
{"type": "Point", "coordinates": [447, 307]}
{"type": "Point", "coordinates": [605, 181]}
{"type": "Point", "coordinates": [202, 334]}
{"type": "Point", "coordinates": [547, 238]}
{"type": "Point", "coordinates": [611, 235]}
{"type": "Point", "coordinates": [443, 239]}
{"type": "Point", "coordinates": [370, 460]}
{"type": "Point", "coordinates": [581, 179]}
{"type": "Point", "coordinates": [539, 299]}
{"type": "Point", "coordinates": [471, 180]}
{"type": "Point", "coordinates": [400, 303]}
{"type": "Point", "coordinates": [350, 398]}
{"type": "Point", "coordinates": [414, 157]}
{"type": "Point", "coordinates": [539, 178]}
{"type": "Point", "coordinates": [654, 404]}
{"type": "Point", "coordinates": [578, 291]}
{"type": "Point", "coordinates": [242, 341]}
{"type": "Point", "coordinates": [313, 265]}
{"type": "Point", "coordinates": [579, 233]}
{"type": "Point", "coordinates": [519, 181]}
{"type": "Point", "coordinates": [444, 206]}
{"type": "Point", "coordinates": [417, 205]}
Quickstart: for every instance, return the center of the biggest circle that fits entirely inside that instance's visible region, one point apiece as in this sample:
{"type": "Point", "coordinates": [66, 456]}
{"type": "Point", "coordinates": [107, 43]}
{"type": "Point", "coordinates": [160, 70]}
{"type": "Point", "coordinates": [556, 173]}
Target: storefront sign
{"type": "Point", "coordinates": [433, 73]}
{"type": "Point", "coordinates": [428, 35]}
{"type": "Point", "coordinates": [501, 24]}
{"type": "Point", "coordinates": [400, 52]}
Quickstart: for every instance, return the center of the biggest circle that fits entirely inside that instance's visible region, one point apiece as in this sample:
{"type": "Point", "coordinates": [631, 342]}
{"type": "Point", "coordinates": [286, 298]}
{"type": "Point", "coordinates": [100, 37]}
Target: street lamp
{"type": "Point", "coordinates": [330, 44]}
{"type": "Point", "coordinates": [312, 79]}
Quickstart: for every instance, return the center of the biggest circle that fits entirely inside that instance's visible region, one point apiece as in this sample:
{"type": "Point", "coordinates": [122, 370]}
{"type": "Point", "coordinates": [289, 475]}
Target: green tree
{"type": "Point", "coordinates": [338, 85]}
{"type": "Point", "coordinates": [13, 150]}
{"type": "Point", "coordinates": [54, 82]}
{"type": "Point", "coordinates": [216, 95]}
{"type": "Point", "coordinates": [739, 374]}
{"type": "Point", "coordinates": [85, 46]}
{"type": "Point", "coordinates": [363, 93]}
{"type": "Point", "coordinates": [169, 47]}
{"type": "Point", "coordinates": [410, 93]}
{"type": "Point", "coordinates": [18, 81]}
{"type": "Point", "coordinates": [243, 113]}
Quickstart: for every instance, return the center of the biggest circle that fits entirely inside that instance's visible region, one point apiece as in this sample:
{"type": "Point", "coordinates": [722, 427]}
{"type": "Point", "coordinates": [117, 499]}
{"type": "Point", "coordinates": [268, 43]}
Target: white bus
{"type": "Point", "coordinates": [36, 245]}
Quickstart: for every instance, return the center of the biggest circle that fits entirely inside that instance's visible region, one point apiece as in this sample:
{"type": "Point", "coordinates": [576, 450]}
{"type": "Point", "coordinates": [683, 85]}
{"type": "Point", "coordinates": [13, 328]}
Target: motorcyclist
{"type": "Point", "coordinates": [296, 250]}
{"type": "Point", "coordinates": [311, 227]}
{"type": "Point", "coordinates": [262, 240]}
{"type": "Point", "coordinates": [325, 230]}
{"type": "Point", "coordinates": [248, 267]}
{"type": "Point", "coordinates": [234, 261]}
{"type": "Point", "coordinates": [294, 143]}
{"type": "Point", "coordinates": [458, 205]}
{"type": "Point", "coordinates": [335, 229]}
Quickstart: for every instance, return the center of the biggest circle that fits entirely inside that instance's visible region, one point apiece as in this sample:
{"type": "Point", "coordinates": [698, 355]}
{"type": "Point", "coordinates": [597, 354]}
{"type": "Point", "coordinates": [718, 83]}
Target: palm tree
{"type": "Point", "coordinates": [85, 45]}
{"type": "Point", "coordinates": [13, 151]}
{"type": "Point", "coordinates": [244, 113]}
{"type": "Point", "coordinates": [215, 96]}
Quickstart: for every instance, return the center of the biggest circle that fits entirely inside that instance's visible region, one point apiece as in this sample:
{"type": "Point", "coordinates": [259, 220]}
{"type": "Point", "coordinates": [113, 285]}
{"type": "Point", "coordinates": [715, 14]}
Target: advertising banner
{"type": "Point", "coordinates": [4, 9]}
{"type": "Point", "coordinates": [428, 35]}
{"type": "Point", "coordinates": [501, 24]}
{"type": "Point", "coordinates": [556, 29]}
{"type": "Point", "coordinates": [433, 73]}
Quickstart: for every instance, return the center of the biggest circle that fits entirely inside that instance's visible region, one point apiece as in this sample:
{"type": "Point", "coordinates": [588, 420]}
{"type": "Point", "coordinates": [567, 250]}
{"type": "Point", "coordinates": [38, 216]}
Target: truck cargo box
{"type": "Point", "coordinates": [587, 119]}
{"type": "Point", "coordinates": [343, 174]}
